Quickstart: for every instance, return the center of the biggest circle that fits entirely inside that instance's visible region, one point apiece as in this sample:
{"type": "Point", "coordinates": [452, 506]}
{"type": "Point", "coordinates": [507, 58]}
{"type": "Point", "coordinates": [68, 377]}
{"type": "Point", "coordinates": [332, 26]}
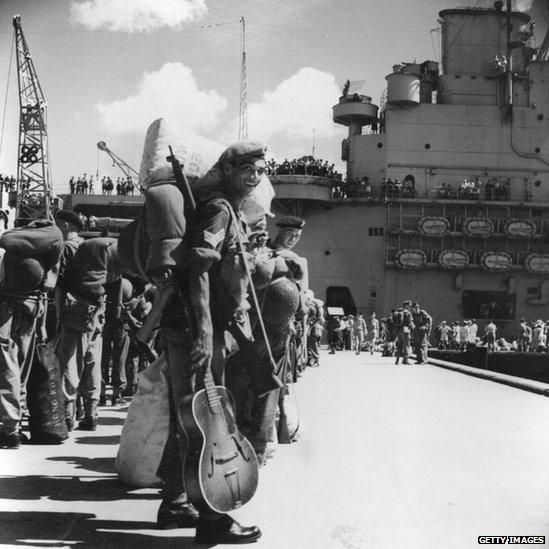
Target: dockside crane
{"type": "Point", "coordinates": [33, 195]}
{"type": "Point", "coordinates": [117, 161]}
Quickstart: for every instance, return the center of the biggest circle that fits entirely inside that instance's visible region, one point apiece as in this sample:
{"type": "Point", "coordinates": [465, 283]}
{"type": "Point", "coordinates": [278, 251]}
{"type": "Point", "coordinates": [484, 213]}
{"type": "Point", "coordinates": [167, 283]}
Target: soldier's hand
{"type": "Point", "coordinates": [202, 350]}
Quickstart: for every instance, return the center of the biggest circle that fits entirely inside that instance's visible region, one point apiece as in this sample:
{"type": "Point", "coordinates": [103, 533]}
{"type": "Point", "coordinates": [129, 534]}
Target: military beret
{"type": "Point", "coordinates": [70, 216]}
{"type": "Point", "coordinates": [291, 221]}
{"type": "Point", "coordinates": [243, 151]}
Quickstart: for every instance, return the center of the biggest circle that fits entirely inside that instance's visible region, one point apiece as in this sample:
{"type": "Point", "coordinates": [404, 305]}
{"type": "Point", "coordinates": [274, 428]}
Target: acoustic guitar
{"type": "Point", "coordinates": [221, 469]}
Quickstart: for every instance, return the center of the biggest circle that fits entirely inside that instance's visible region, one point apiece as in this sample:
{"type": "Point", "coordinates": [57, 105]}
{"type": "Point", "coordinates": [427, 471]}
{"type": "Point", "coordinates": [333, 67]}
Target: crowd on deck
{"type": "Point", "coordinates": [87, 185]}
{"type": "Point", "coordinates": [306, 165]}
{"type": "Point", "coordinates": [389, 188]}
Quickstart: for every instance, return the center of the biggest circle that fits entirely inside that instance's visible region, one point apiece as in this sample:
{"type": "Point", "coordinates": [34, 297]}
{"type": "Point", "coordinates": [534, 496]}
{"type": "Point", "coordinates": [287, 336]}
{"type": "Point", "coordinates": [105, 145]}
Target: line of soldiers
{"type": "Point", "coordinates": [207, 325]}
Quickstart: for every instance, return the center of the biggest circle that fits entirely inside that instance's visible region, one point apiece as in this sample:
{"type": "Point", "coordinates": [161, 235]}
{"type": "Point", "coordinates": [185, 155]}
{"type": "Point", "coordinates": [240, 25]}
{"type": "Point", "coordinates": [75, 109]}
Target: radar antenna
{"type": "Point", "coordinates": [33, 192]}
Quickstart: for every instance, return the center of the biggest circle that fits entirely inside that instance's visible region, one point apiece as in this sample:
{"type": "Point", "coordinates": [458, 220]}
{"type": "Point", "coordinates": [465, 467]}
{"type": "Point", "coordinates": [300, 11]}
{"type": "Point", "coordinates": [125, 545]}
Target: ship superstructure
{"type": "Point", "coordinates": [453, 178]}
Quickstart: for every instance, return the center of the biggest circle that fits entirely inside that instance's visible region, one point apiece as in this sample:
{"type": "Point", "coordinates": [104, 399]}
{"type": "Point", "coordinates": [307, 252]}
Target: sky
{"type": "Point", "coordinates": [108, 68]}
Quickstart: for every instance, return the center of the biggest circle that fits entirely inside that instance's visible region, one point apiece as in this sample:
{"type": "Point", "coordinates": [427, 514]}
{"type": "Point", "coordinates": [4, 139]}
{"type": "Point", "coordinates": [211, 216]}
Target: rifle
{"type": "Point", "coordinates": [165, 293]}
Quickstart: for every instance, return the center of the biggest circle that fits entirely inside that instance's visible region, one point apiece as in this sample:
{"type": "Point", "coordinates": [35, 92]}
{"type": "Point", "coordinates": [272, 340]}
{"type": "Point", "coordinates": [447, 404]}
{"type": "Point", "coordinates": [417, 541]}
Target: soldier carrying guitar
{"type": "Point", "coordinates": [210, 282]}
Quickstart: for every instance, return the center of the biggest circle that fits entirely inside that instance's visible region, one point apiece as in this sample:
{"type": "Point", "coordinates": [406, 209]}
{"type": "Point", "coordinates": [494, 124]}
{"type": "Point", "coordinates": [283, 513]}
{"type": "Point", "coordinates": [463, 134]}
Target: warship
{"type": "Point", "coordinates": [446, 200]}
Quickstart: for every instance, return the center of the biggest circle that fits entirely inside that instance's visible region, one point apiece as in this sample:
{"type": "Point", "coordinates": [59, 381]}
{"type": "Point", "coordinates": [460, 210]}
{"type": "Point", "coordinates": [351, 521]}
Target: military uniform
{"type": "Point", "coordinates": [420, 334]}
{"type": "Point", "coordinates": [208, 255]}
{"type": "Point", "coordinates": [94, 265]}
{"type": "Point", "coordinates": [31, 254]}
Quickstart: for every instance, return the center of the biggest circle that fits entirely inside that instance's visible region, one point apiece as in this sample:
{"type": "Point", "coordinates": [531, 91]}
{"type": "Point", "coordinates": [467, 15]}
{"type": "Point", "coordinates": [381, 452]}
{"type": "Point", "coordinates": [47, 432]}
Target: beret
{"type": "Point", "coordinates": [291, 221]}
{"type": "Point", "coordinates": [70, 216]}
{"type": "Point", "coordinates": [242, 151]}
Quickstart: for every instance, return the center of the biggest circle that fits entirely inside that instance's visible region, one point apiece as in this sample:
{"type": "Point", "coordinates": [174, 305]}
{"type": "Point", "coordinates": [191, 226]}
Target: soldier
{"type": "Point", "coordinates": [373, 332]}
{"type": "Point", "coordinates": [30, 270]}
{"type": "Point", "coordinates": [212, 288]}
{"type": "Point", "coordinates": [289, 233]}
{"type": "Point", "coordinates": [316, 322]}
{"type": "Point", "coordinates": [95, 264]}
{"type": "Point", "coordinates": [420, 334]}
{"type": "Point", "coordinates": [116, 341]}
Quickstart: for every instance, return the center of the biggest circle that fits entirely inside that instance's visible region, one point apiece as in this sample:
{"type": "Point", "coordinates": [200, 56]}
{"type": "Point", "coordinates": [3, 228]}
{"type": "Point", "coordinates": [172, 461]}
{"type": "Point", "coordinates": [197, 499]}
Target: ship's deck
{"type": "Point", "coordinates": [389, 456]}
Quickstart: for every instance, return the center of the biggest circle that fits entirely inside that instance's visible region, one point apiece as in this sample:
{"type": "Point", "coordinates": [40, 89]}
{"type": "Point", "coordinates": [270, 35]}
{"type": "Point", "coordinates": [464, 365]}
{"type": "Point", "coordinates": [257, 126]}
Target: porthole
{"type": "Point", "coordinates": [380, 145]}
{"type": "Point", "coordinates": [427, 146]}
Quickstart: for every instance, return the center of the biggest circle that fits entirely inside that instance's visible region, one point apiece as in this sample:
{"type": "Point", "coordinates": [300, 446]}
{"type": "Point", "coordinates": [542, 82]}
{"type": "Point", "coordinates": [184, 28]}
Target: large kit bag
{"type": "Point", "coordinates": [146, 428]}
{"type": "Point", "coordinates": [30, 252]}
{"type": "Point", "coordinates": [45, 401]}
{"type": "Point", "coordinates": [152, 240]}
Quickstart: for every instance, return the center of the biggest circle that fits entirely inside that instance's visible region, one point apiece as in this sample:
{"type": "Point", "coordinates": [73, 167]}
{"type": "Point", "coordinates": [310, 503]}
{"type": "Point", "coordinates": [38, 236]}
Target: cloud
{"type": "Point", "coordinates": [522, 5]}
{"type": "Point", "coordinates": [136, 15]}
{"type": "Point", "coordinates": [298, 105]}
{"type": "Point", "coordinates": [172, 93]}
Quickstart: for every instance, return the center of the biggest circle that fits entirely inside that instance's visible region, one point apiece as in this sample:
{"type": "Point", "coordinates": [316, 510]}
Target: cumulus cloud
{"type": "Point", "coordinates": [136, 15]}
{"type": "Point", "coordinates": [296, 106]}
{"type": "Point", "coordinates": [172, 93]}
{"type": "Point", "coordinates": [522, 5]}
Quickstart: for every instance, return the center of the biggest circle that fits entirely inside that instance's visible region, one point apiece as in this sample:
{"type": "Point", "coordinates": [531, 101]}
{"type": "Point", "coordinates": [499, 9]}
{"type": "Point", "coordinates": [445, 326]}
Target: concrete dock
{"type": "Point", "coordinates": [388, 456]}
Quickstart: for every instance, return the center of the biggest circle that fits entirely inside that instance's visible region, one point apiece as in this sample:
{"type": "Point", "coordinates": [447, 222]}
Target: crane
{"type": "Point", "coordinates": [33, 192]}
{"type": "Point", "coordinates": [117, 161]}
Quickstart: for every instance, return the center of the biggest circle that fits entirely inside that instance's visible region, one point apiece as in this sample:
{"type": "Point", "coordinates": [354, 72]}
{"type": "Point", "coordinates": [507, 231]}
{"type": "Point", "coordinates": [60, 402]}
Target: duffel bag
{"type": "Point", "coordinates": [45, 402]}
{"type": "Point", "coordinates": [146, 428]}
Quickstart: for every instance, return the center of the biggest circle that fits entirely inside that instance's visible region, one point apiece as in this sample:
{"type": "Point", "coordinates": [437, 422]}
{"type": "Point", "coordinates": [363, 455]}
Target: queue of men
{"type": "Point", "coordinates": [208, 264]}
{"type": "Point", "coordinates": [403, 334]}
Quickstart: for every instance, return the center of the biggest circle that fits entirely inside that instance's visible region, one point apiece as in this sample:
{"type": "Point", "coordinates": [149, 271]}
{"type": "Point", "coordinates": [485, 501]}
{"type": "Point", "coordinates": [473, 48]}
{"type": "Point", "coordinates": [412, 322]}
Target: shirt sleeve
{"type": "Point", "coordinates": [210, 234]}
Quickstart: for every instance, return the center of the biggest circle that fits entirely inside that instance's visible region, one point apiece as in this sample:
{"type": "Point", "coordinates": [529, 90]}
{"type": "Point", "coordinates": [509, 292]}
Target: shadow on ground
{"type": "Point", "coordinates": [98, 465]}
{"type": "Point", "coordinates": [114, 439]}
{"type": "Point", "coordinates": [68, 488]}
{"type": "Point", "coordinates": [48, 529]}
{"type": "Point", "coordinates": [111, 420]}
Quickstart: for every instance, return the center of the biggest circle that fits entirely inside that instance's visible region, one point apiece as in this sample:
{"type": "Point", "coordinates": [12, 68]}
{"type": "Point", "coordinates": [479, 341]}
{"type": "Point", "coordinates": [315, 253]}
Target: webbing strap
{"type": "Point", "coordinates": [252, 287]}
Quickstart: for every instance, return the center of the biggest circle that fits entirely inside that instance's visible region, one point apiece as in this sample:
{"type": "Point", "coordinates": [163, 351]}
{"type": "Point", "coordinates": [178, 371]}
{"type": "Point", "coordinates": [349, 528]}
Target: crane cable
{"type": "Point", "coordinates": [6, 97]}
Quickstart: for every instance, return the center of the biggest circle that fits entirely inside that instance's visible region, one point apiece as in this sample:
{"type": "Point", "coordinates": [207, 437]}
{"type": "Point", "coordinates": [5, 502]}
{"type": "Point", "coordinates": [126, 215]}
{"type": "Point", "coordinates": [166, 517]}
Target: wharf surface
{"type": "Point", "coordinates": [388, 456]}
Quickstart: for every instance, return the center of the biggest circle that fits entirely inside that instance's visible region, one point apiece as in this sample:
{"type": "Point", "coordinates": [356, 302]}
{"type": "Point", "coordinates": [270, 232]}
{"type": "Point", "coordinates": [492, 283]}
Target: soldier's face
{"type": "Point", "coordinates": [244, 178]}
{"type": "Point", "coordinates": [289, 237]}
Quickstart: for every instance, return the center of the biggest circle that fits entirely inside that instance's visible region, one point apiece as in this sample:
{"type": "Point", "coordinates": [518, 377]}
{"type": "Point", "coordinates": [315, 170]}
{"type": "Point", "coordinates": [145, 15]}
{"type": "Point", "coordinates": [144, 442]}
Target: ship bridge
{"type": "Point", "coordinates": [294, 191]}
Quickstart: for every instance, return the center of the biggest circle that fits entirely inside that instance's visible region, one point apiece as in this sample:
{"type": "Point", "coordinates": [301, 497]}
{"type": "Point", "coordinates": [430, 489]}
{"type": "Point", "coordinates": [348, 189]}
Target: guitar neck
{"type": "Point", "coordinates": [209, 385]}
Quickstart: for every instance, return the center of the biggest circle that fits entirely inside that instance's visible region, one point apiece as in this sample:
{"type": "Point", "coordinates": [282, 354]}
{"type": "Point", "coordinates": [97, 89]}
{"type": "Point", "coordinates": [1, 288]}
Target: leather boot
{"type": "Point", "coordinates": [176, 515]}
{"type": "Point", "coordinates": [224, 529]}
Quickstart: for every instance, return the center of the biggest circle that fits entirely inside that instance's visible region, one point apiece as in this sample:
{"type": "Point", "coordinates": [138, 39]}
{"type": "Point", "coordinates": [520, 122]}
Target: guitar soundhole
{"type": "Point", "coordinates": [210, 474]}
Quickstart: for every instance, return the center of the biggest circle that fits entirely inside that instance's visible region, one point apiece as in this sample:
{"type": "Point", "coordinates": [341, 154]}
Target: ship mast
{"type": "Point", "coordinates": [33, 197]}
{"type": "Point", "coordinates": [243, 110]}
